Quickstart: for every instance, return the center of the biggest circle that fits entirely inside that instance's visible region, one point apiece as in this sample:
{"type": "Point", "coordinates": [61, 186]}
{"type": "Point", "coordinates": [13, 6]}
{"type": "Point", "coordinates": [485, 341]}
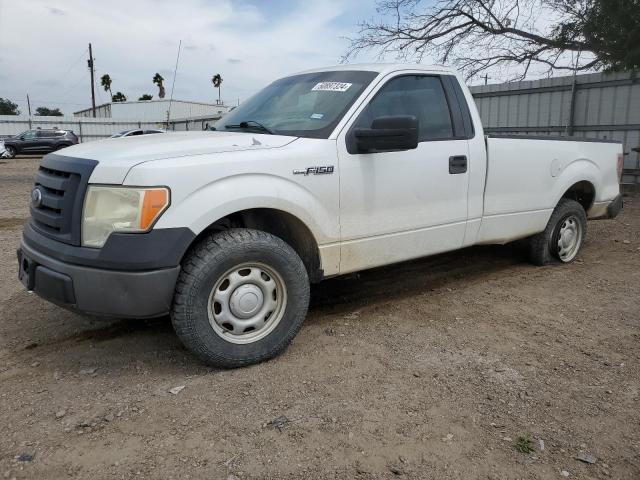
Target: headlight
{"type": "Point", "coordinates": [120, 209]}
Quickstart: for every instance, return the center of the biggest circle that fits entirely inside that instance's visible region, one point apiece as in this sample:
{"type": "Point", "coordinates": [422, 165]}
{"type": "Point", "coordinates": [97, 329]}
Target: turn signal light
{"type": "Point", "coordinates": [153, 204]}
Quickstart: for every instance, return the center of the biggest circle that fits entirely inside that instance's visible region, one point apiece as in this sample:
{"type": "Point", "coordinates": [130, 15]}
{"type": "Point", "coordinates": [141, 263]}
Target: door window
{"type": "Point", "coordinates": [417, 95]}
{"type": "Point", "coordinates": [29, 135]}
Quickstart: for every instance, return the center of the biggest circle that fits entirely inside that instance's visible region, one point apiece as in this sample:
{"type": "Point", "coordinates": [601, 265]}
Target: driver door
{"type": "Point", "coordinates": [399, 205]}
{"type": "Point", "coordinates": [28, 141]}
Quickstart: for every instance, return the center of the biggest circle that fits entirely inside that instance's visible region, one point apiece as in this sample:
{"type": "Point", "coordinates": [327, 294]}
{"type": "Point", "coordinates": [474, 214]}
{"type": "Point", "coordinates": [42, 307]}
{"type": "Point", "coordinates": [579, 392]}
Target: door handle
{"type": "Point", "coordinates": [457, 164]}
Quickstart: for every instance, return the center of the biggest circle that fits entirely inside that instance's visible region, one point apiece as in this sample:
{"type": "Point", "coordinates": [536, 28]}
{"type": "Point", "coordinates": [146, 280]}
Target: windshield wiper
{"type": "Point", "coordinates": [251, 124]}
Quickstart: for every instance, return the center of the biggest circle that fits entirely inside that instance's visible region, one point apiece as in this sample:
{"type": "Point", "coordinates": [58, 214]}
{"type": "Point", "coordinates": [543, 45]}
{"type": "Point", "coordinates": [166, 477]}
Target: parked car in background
{"type": "Point", "coordinates": [136, 132]}
{"type": "Point", "coordinates": [39, 141]}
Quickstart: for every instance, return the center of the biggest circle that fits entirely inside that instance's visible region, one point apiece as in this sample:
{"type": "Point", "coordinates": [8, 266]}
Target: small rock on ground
{"type": "Point", "coordinates": [176, 390]}
{"type": "Point", "coordinates": [586, 458]}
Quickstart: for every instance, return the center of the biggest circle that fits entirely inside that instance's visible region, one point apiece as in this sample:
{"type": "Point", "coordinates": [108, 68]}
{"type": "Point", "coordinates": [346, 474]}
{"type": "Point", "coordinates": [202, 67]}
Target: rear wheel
{"type": "Point", "coordinates": [563, 237]}
{"type": "Point", "coordinates": [241, 298]}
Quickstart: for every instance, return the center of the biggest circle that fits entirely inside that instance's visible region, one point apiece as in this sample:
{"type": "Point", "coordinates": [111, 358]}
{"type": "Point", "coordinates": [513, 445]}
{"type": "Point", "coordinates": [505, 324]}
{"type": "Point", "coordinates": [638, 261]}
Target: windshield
{"type": "Point", "coordinates": [308, 105]}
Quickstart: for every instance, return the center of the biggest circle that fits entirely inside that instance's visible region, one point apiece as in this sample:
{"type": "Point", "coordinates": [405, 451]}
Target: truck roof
{"type": "Point", "coordinates": [383, 68]}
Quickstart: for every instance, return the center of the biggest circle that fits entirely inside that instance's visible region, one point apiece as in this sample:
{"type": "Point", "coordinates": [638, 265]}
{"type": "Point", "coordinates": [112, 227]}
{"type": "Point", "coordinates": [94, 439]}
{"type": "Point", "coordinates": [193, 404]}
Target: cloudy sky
{"type": "Point", "coordinates": [43, 45]}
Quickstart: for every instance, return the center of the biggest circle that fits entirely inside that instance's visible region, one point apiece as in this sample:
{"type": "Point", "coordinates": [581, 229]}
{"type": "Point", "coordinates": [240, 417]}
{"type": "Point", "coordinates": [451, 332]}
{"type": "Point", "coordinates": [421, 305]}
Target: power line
{"type": "Point", "coordinates": [75, 62]}
{"type": "Point", "coordinates": [175, 73]}
{"type": "Point", "coordinates": [66, 92]}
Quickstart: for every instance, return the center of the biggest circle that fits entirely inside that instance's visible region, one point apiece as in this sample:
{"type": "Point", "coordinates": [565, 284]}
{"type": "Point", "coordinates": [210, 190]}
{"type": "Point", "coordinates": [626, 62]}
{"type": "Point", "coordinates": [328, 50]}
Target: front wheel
{"type": "Point", "coordinates": [563, 237]}
{"type": "Point", "coordinates": [241, 297]}
{"type": "Point", "coordinates": [10, 152]}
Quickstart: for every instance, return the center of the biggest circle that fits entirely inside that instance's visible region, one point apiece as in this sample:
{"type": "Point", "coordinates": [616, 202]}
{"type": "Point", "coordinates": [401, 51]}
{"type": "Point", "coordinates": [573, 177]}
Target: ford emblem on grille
{"type": "Point", "coordinates": [36, 197]}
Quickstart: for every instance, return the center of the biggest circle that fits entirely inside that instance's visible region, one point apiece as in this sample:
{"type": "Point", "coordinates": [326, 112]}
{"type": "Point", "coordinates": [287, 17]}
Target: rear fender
{"type": "Point", "coordinates": [579, 170]}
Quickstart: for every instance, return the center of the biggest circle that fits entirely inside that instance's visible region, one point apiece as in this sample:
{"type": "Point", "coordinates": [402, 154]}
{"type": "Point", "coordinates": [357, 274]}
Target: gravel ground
{"type": "Point", "coordinates": [431, 369]}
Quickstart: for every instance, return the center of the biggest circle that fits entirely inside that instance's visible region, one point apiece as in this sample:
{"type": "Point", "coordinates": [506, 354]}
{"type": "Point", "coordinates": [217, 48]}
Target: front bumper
{"type": "Point", "coordinates": [136, 280]}
{"type": "Point", "coordinates": [97, 291]}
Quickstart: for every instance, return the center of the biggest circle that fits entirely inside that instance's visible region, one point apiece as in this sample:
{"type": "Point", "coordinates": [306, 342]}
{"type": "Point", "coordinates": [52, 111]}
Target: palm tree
{"type": "Point", "coordinates": [119, 97]}
{"type": "Point", "coordinates": [217, 82]}
{"type": "Point", "coordinates": [157, 79]}
{"type": "Point", "coordinates": [105, 81]}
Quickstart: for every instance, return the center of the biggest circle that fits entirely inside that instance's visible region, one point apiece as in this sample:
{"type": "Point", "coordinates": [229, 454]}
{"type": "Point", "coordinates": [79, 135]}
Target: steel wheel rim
{"type": "Point", "coordinates": [569, 238]}
{"type": "Point", "coordinates": [247, 303]}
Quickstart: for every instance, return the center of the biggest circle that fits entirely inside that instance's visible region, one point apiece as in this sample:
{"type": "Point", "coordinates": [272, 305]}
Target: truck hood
{"type": "Point", "coordinates": [116, 156]}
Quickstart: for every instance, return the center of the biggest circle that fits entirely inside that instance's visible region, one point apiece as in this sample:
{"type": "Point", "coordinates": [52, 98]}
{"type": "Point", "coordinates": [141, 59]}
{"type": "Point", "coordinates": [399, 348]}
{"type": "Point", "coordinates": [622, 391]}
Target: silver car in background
{"type": "Point", "coordinates": [136, 132]}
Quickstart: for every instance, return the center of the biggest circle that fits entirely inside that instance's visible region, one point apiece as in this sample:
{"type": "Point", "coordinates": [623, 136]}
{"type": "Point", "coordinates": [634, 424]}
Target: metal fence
{"type": "Point", "coordinates": [89, 129]}
{"type": "Point", "coordinates": [597, 105]}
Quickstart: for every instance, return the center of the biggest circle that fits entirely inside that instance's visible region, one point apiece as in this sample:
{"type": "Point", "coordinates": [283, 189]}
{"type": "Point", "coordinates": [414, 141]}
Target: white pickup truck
{"type": "Point", "coordinates": [321, 173]}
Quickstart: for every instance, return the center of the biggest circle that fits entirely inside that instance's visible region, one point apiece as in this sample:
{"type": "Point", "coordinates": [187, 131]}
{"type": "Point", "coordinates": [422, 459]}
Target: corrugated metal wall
{"type": "Point", "coordinates": [596, 105]}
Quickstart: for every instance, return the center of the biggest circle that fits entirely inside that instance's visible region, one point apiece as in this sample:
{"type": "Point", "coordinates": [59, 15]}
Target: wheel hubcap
{"type": "Point", "coordinates": [247, 303]}
{"type": "Point", "coordinates": [569, 238]}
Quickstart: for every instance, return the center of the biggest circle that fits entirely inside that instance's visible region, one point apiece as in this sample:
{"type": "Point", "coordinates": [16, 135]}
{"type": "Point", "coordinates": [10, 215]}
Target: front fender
{"type": "Point", "coordinates": [222, 197]}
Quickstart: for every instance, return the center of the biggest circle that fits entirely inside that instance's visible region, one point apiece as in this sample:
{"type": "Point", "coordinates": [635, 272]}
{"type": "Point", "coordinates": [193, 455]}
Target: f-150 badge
{"type": "Point", "coordinates": [314, 170]}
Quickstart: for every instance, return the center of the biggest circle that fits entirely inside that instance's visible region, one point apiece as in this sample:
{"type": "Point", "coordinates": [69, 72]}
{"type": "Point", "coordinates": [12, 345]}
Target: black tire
{"type": "Point", "coordinates": [203, 268]}
{"type": "Point", "coordinates": [60, 147]}
{"type": "Point", "coordinates": [543, 247]}
{"type": "Point", "coordinates": [10, 151]}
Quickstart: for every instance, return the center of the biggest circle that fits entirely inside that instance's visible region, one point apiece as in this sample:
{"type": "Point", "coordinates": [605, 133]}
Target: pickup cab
{"type": "Point", "coordinates": [321, 173]}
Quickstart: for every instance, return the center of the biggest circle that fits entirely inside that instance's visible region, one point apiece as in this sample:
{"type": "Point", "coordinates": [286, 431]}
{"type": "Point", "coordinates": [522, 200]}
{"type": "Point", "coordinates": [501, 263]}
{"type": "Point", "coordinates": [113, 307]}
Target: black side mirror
{"type": "Point", "coordinates": [387, 134]}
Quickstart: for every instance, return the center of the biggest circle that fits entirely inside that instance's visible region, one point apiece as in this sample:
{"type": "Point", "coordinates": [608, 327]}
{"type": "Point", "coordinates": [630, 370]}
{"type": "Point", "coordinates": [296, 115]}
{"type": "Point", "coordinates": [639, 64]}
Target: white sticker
{"type": "Point", "coordinates": [331, 87]}
{"type": "Point", "coordinates": [317, 116]}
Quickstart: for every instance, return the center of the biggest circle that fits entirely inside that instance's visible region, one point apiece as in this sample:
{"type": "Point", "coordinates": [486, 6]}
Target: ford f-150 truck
{"type": "Point", "coordinates": [321, 173]}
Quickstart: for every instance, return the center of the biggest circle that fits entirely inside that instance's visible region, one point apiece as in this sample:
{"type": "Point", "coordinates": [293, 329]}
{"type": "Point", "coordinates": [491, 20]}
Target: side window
{"type": "Point", "coordinates": [136, 132]}
{"type": "Point", "coordinates": [45, 133]}
{"type": "Point", "coordinates": [30, 135]}
{"type": "Point", "coordinates": [418, 95]}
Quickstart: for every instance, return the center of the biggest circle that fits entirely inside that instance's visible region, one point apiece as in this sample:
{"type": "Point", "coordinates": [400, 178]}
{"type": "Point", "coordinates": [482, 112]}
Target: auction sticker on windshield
{"type": "Point", "coordinates": [331, 87]}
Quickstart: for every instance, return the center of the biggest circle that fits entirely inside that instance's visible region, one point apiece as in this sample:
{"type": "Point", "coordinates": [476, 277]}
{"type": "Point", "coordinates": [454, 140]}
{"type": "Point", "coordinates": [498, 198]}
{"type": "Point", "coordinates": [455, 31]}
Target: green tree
{"type": "Point", "coordinates": [217, 83]}
{"type": "Point", "coordinates": [144, 97]}
{"type": "Point", "coordinates": [48, 112]}
{"type": "Point", "coordinates": [119, 97]}
{"type": "Point", "coordinates": [612, 30]}
{"type": "Point", "coordinates": [7, 107]}
{"type": "Point", "coordinates": [511, 37]}
{"type": "Point", "coordinates": [105, 81]}
{"type": "Point", "coordinates": [158, 80]}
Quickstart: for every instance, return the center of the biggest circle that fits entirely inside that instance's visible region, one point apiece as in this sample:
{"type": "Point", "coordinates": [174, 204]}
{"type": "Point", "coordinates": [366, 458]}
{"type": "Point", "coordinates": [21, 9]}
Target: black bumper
{"type": "Point", "coordinates": [96, 282]}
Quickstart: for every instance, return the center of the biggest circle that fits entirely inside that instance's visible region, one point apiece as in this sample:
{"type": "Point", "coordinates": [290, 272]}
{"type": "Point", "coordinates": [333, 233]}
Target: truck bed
{"type": "Point", "coordinates": [526, 176]}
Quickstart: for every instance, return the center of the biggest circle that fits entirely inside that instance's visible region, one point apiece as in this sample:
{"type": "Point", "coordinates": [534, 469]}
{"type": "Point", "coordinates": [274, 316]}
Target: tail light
{"type": "Point", "coordinates": [620, 164]}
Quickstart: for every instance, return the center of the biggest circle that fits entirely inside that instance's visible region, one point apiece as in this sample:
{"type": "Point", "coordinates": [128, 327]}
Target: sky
{"type": "Point", "coordinates": [43, 46]}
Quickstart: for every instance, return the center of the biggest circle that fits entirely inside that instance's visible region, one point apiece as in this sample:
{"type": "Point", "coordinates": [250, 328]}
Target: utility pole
{"type": "Point", "coordinates": [28, 104]}
{"type": "Point", "coordinates": [93, 93]}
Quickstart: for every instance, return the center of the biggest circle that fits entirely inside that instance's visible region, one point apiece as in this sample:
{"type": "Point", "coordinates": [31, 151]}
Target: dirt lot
{"type": "Point", "coordinates": [429, 369]}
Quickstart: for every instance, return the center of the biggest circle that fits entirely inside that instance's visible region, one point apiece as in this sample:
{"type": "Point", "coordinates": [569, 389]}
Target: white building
{"type": "Point", "coordinates": [154, 110]}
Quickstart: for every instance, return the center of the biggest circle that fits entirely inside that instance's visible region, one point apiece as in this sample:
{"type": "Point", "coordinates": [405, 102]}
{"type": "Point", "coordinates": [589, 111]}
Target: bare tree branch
{"type": "Point", "coordinates": [480, 35]}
